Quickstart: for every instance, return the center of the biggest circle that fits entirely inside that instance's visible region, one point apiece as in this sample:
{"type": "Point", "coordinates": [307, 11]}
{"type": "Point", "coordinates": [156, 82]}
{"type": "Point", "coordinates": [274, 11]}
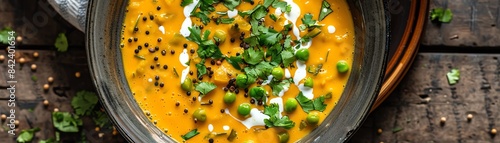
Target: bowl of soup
{"type": "Point", "coordinates": [237, 71]}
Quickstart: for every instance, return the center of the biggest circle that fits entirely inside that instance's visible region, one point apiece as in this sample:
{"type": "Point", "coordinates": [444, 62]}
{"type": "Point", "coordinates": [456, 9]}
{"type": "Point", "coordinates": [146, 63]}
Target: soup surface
{"type": "Point", "coordinates": [240, 71]}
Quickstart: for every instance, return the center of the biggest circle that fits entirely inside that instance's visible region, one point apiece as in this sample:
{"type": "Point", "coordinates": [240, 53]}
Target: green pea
{"type": "Point", "coordinates": [244, 109]}
{"type": "Point", "coordinates": [313, 118]}
{"type": "Point", "coordinates": [257, 92]}
{"type": "Point", "coordinates": [278, 73]}
{"type": "Point", "coordinates": [187, 85]}
{"type": "Point", "coordinates": [283, 137]}
{"type": "Point", "coordinates": [229, 97]}
{"type": "Point", "coordinates": [221, 35]}
{"type": "Point", "coordinates": [241, 80]}
{"type": "Point", "coordinates": [290, 104]}
{"type": "Point", "coordinates": [342, 66]}
{"type": "Point", "coordinates": [302, 54]}
{"type": "Point", "coordinates": [200, 115]}
{"type": "Point", "coordinates": [309, 82]}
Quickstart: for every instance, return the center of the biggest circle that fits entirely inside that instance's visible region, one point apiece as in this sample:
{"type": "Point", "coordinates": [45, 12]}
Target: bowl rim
{"type": "Point", "coordinates": [98, 40]}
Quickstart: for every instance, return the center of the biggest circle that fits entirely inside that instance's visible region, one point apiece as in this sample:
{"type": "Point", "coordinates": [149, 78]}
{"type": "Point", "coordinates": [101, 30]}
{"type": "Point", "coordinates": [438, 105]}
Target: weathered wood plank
{"type": "Point", "coordinates": [37, 22]}
{"type": "Point", "coordinates": [30, 110]}
{"type": "Point", "coordinates": [424, 96]}
{"type": "Point", "coordinates": [475, 22]}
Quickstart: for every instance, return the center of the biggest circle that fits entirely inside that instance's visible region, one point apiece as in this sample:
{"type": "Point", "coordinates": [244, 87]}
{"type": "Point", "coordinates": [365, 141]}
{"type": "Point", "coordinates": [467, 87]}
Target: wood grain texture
{"type": "Point", "coordinates": [37, 22]}
{"type": "Point", "coordinates": [30, 110]}
{"type": "Point", "coordinates": [475, 24]}
{"type": "Point", "coordinates": [424, 96]}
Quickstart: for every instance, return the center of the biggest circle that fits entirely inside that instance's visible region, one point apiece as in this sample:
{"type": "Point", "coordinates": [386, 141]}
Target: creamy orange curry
{"type": "Point", "coordinates": [237, 70]}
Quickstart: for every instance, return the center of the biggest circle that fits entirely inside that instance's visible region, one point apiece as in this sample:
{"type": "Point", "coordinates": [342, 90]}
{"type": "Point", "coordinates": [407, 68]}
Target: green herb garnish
{"type": "Point", "coordinates": [65, 122]}
{"type": "Point", "coordinates": [325, 10]}
{"type": "Point", "coordinates": [453, 76]}
{"type": "Point", "coordinates": [232, 135]}
{"type": "Point", "coordinates": [6, 35]}
{"type": "Point", "coordinates": [202, 69]}
{"type": "Point", "coordinates": [309, 105]}
{"type": "Point", "coordinates": [206, 47]}
{"type": "Point", "coordinates": [84, 102]}
{"type": "Point", "coordinates": [140, 57]}
{"type": "Point", "coordinates": [186, 2]}
{"type": "Point", "coordinates": [231, 4]}
{"type": "Point", "coordinates": [27, 135]}
{"type": "Point", "coordinates": [441, 15]}
{"type": "Point", "coordinates": [61, 43]}
{"type": "Point", "coordinates": [205, 87]}
{"type": "Point", "coordinates": [190, 134]}
{"type": "Point", "coordinates": [274, 120]}
{"type": "Point", "coordinates": [252, 56]}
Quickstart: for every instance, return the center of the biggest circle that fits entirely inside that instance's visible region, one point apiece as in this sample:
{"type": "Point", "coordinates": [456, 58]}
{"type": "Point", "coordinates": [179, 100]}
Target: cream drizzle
{"type": "Point", "coordinates": [187, 21]}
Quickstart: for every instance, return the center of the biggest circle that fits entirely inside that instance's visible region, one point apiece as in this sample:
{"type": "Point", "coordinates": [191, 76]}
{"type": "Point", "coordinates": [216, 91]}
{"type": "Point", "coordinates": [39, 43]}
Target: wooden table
{"type": "Point", "coordinates": [411, 114]}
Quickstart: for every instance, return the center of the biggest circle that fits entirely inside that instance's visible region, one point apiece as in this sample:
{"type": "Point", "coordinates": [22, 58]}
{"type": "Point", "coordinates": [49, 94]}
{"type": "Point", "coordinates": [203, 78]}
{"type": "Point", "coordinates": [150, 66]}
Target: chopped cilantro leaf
{"type": "Point", "coordinates": [269, 38]}
{"type": "Point", "coordinates": [235, 62]}
{"type": "Point", "coordinates": [268, 3]}
{"type": "Point", "coordinates": [274, 120]}
{"type": "Point", "coordinates": [252, 56]}
{"type": "Point", "coordinates": [273, 17]}
{"type": "Point", "coordinates": [264, 69]}
{"type": "Point", "coordinates": [101, 119]}
{"type": "Point", "coordinates": [61, 43]}
{"type": "Point", "coordinates": [231, 4]}
{"type": "Point", "coordinates": [65, 122]}
{"type": "Point", "coordinates": [280, 4]}
{"type": "Point", "coordinates": [84, 102]}
{"type": "Point", "coordinates": [453, 76]}
{"type": "Point", "coordinates": [259, 13]}
{"type": "Point", "coordinates": [186, 2]}
{"type": "Point", "coordinates": [319, 104]}
{"type": "Point", "coordinates": [249, 12]}
{"type": "Point", "coordinates": [325, 10]}
{"type": "Point", "coordinates": [190, 134]}
{"type": "Point", "coordinates": [6, 34]}
{"type": "Point", "coordinates": [288, 58]}
{"type": "Point", "coordinates": [313, 33]}
{"type": "Point", "coordinates": [308, 104]}
{"type": "Point", "coordinates": [201, 68]}
{"type": "Point", "coordinates": [278, 86]}
{"type": "Point", "coordinates": [441, 15]}
{"type": "Point", "coordinates": [205, 87]}
{"type": "Point", "coordinates": [27, 135]}
{"type": "Point", "coordinates": [206, 47]}
{"type": "Point", "coordinates": [202, 16]}
{"type": "Point", "coordinates": [225, 20]}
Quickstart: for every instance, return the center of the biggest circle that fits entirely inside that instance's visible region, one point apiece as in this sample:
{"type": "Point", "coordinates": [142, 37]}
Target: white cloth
{"type": "Point", "coordinates": [74, 11]}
